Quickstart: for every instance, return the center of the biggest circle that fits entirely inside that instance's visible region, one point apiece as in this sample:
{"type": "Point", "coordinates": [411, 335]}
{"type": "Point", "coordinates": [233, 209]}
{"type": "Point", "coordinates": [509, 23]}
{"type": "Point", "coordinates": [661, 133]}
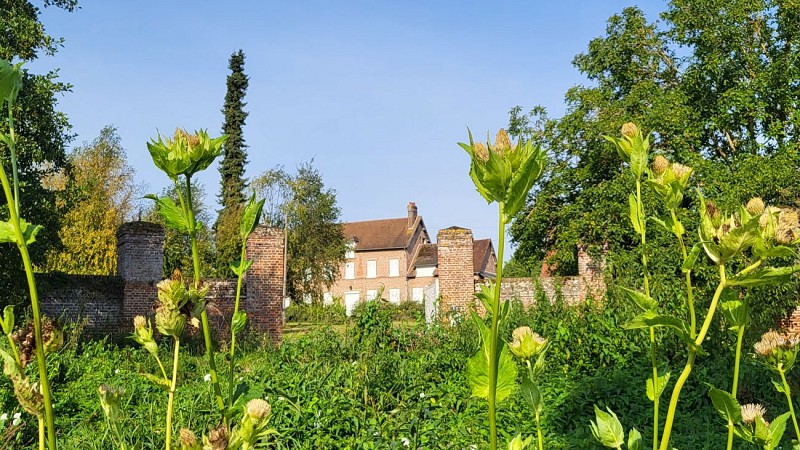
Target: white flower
{"type": "Point", "coordinates": [116, 371]}
{"type": "Point", "coordinates": [3, 417]}
{"type": "Point", "coordinates": [405, 442]}
{"type": "Point", "coordinates": [280, 399]}
{"type": "Point", "coordinates": [207, 378]}
{"type": "Point", "coordinates": [17, 419]}
{"type": "Point", "coordinates": [241, 378]}
{"type": "Point", "coordinates": [421, 395]}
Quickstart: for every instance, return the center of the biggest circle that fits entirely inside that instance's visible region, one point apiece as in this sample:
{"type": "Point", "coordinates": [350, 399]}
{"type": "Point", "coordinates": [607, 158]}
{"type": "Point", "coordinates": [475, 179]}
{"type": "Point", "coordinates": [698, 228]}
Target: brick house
{"type": "Point", "coordinates": [397, 256]}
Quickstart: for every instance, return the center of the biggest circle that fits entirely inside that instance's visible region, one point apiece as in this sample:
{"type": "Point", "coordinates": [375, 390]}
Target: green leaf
{"type": "Point", "coordinates": [486, 297]}
{"type": "Point", "coordinates": [524, 177]}
{"type": "Point", "coordinates": [736, 313]}
{"type": "Point", "coordinates": [641, 300]}
{"type": "Point", "coordinates": [607, 429]}
{"type": "Point", "coordinates": [9, 234]}
{"type": "Point", "coordinates": [251, 216]}
{"type": "Point", "coordinates": [238, 321]}
{"type": "Point", "coordinates": [8, 319]}
{"type": "Point", "coordinates": [636, 219]}
{"type": "Point", "coordinates": [635, 440]}
{"type": "Point", "coordinates": [776, 430]}
{"type": "Point", "coordinates": [172, 214]}
{"type": "Point", "coordinates": [726, 405]}
{"type": "Point", "coordinates": [778, 387]}
{"type": "Point", "coordinates": [478, 372]}
{"type": "Point", "coordinates": [531, 394]}
{"type": "Point", "coordinates": [240, 268]}
{"type": "Point", "coordinates": [739, 239]}
{"type": "Point", "coordinates": [661, 384]}
{"type": "Point", "coordinates": [691, 258]}
{"type": "Point", "coordinates": [638, 159]}
{"type": "Point", "coordinates": [652, 319]}
{"type": "Point", "coordinates": [158, 381]}
{"type": "Point", "coordinates": [763, 276]}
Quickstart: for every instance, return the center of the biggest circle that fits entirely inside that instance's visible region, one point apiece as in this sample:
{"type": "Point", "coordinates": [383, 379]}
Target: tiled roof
{"type": "Point", "coordinates": [481, 251]}
{"type": "Point", "coordinates": [380, 234]}
{"type": "Point", "coordinates": [427, 256]}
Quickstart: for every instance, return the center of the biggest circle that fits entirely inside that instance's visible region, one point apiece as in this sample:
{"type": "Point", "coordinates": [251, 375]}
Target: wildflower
{"type": "Point", "coordinates": [110, 401]}
{"type": "Point", "coordinates": [526, 343]}
{"type": "Point", "coordinates": [3, 417]}
{"type": "Point", "coordinates": [258, 409]}
{"type": "Point", "coordinates": [17, 419]}
{"type": "Point", "coordinates": [421, 395]}
{"type": "Point", "coordinates": [217, 439]}
{"type": "Point", "coordinates": [629, 129]}
{"type": "Point", "coordinates": [185, 154]}
{"type": "Point", "coordinates": [188, 439]}
{"type": "Point", "coordinates": [755, 206]}
{"type": "Point", "coordinates": [405, 442]}
{"type": "Point", "coordinates": [502, 143]}
{"type": "Point", "coordinates": [751, 411]}
{"type": "Point", "coordinates": [207, 377]}
{"type": "Point", "coordinates": [480, 151]}
{"type": "Point", "coordinates": [680, 171]}
{"type": "Point", "coordinates": [777, 351]}
{"type": "Point", "coordinates": [660, 164]}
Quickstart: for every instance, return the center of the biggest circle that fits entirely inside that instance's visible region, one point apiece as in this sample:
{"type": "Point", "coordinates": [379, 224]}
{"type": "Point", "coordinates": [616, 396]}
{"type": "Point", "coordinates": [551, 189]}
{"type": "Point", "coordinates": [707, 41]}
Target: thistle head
{"type": "Point", "coordinates": [502, 143]}
{"type": "Point", "coordinates": [139, 322]}
{"type": "Point", "coordinates": [172, 294]}
{"type": "Point", "coordinates": [526, 344]}
{"type": "Point", "coordinates": [629, 130]}
{"type": "Point", "coordinates": [776, 350]}
{"type": "Point", "coordinates": [755, 206]}
{"type": "Point", "coordinates": [188, 440]}
{"type": "Point", "coordinates": [751, 412]}
{"type": "Point", "coordinates": [110, 401]}
{"type": "Point", "coordinates": [217, 439]}
{"type": "Point", "coordinates": [170, 321]}
{"type": "Point", "coordinates": [185, 153]}
{"type": "Point", "coordinates": [258, 409]}
{"type": "Point", "coordinates": [660, 164]}
{"type": "Point", "coordinates": [681, 171]}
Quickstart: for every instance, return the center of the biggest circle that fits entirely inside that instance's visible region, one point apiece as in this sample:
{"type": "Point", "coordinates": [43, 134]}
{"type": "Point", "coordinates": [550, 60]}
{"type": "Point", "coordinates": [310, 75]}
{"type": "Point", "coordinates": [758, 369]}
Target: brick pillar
{"type": "Point", "coordinates": [456, 274]}
{"type": "Point", "coordinates": [590, 271]}
{"type": "Point", "coordinates": [264, 301]}
{"type": "Point", "coordinates": [140, 261]}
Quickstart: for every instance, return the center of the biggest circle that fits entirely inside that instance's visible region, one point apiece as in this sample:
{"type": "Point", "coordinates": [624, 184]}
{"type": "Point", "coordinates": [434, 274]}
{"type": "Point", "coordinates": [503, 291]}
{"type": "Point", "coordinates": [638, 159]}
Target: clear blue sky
{"type": "Point", "coordinates": [378, 93]}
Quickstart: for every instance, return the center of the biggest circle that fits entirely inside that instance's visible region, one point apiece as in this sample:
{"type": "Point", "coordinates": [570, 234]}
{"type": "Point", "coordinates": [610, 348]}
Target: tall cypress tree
{"type": "Point", "coordinates": [234, 159]}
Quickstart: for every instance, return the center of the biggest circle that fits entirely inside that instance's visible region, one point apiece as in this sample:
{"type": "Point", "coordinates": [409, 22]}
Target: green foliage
{"type": "Point", "coordinates": [97, 194]}
{"type": "Point", "coordinates": [315, 313]}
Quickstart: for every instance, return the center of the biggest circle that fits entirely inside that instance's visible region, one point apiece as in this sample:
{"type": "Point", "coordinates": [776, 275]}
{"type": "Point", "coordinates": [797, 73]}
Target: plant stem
{"type": "Point", "coordinates": [233, 333]}
{"type": "Point", "coordinates": [494, 354]}
{"type": "Point", "coordinates": [689, 293]}
{"type": "Point", "coordinates": [735, 388]}
{"type": "Point", "coordinates": [171, 400]}
{"type": "Point", "coordinates": [653, 363]}
{"type": "Point", "coordinates": [539, 431]}
{"type": "Point", "coordinates": [14, 349]}
{"type": "Point", "coordinates": [14, 217]}
{"type": "Point", "coordinates": [212, 365]}
{"type": "Point", "coordinates": [787, 391]}
{"type": "Point", "coordinates": [42, 438]}
{"type": "Point", "coordinates": [687, 369]}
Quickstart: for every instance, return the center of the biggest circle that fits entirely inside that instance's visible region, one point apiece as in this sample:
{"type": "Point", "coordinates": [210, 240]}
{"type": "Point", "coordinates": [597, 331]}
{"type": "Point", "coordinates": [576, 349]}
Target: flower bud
{"type": "Point", "coordinates": [788, 218]}
{"type": "Point", "coordinates": [680, 171]}
{"type": "Point", "coordinates": [526, 343]}
{"type": "Point", "coordinates": [480, 151]}
{"type": "Point", "coordinates": [752, 411]}
{"type": "Point", "coordinates": [518, 443]}
{"type": "Point", "coordinates": [188, 439]}
{"type": "Point", "coordinates": [755, 206]}
{"type": "Point", "coordinates": [660, 164]}
{"type": "Point", "coordinates": [502, 143]}
{"type": "Point", "coordinates": [110, 401]}
{"type": "Point", "coordinates": [218, 438]}
{"type": "Point", "coordinates": [629, 130]}
{"type": "Point", "coordinates": [258, 409]}
{"type": "Point", "coordinates": [139, 322]}
{"type": "Point", "coordinates": [170, 322]}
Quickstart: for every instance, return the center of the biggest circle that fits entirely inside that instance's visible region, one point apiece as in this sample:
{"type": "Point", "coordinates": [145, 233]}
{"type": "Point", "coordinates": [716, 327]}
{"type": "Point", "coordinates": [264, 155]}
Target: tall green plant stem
{"type": "Point", "coordinates": [13, 212]}
{"type": "Point", "coordinates": [653, 364]}
{"type": "Point", "coordinates": [42, 438]}
{"type": "Point", "coordinates": [212, 365]}
{"type": "Point", "coordinates": [539, 438]}
{"type": "Point", "coordinates": [494, 354]}
{"type": "Point", "coordinates": [787, 391]}
{"type": "Point", "coordinates": [172, 386]}
{"type": "Point", "coordinates": [233, 333]}
{"type": "Point", "coordinates": [689, 293]}
{"type": "Point", "coordinates": [735, 387]}
{"type": "Point", "coordinates": [687, 369]}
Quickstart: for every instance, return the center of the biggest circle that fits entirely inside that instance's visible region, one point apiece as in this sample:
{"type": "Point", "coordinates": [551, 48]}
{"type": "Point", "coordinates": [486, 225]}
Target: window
{"type": "Point", "coordinates": [327, 298]}
{"type": "Point", "coordinates": [418, 294]}
{"type": "Point", "coordinates": [394, 295]}
{"type": "Point", "coordinates": [394, 267]}
{"type": "Point", "coordinates": [372, 268]}
{"type": "Point", "coordinates": [372, 294]}
{"type": "Point", "coordinates": [349, 270]}
{"type": "Point", "coordinates": [350, 254]}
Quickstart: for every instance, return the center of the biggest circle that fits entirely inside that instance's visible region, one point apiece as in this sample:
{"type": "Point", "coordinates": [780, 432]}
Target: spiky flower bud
{"type": "Point", "coordinates": [218, 438]}
{"type": "Point", "coordinates": [788, 218]}
{"type": "Point", "coordinates": [188, 439]}
{"type": "Point", "coordinates": [660, 164]}
{"type": "Point", "coordinates": [526, 344]}
{"type": "Point", "coordinates": [481, 152]}
{"type": "Point", "coordinates": [680, 170]}
{"type": "Point", "coordinates": [139, 322]}
{"type": "Point", "coordinates": [712, 210]}
{"type": "Point", "coordinates": [502, 143]}
{"type": "Point", "coordinates": [110, 401]}
{"type": "Point", "coordinates": [755, 206]}
{"type": "Point", "coordinates": [785, 235]}
{"type": "Point", "coordinates": [629, 130]}
{"type": "Point", "coordinates": [258, 409]}
{"type": "Point", "coordinates": [752, 411]}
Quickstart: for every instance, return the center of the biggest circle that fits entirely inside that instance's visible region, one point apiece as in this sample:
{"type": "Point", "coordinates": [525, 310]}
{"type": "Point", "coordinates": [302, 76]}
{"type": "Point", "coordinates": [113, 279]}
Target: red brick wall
{"type": "Point", "coordinates": [456, 280]}
{"type": "Point", "coordinates": [140, 261]}
{"type": "Point", "coordinates": [264, 303]}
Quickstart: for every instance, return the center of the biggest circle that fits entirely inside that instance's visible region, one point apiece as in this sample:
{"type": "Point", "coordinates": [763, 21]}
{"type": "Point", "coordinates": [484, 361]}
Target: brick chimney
{"type": "Point", "coordinates": [456, 274]}
{"type": "Point", "coordinates": [412, 214]}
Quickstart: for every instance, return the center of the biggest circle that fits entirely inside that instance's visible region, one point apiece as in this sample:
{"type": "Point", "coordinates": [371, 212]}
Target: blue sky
{"type": "Point", "coordinates": [377, 93]}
